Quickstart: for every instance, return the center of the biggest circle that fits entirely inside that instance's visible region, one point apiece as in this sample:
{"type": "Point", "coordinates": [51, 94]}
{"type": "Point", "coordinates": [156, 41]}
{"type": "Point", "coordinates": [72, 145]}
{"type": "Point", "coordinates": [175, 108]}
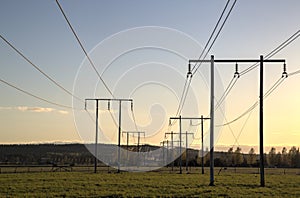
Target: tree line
{"type": "Point", "coordinates": [236, 158]}
{"type": "Point", "coordinates": [78, 154]}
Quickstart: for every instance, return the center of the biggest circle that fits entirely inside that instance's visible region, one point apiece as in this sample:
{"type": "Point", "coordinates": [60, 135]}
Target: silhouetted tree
{"type": "Point", "coordinates": [272, 157]}
{"type": "Point", "coordinates": [293, 155]}
{"type": "Point", "coordinates": [284, 157]}
{"type": "Point", "coordinates": [238, 157]}
{"type": "Point", "coordinates": [251, 160]}
{"type": "Point", "coordinates": [230, 157]}
{"type": "Point", "coordinates": [279, 159]}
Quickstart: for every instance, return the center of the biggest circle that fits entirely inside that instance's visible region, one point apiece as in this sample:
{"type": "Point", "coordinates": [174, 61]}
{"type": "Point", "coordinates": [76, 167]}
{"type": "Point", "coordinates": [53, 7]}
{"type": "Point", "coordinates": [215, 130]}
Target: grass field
{"type": "Point", "coordinates": [83, 184]}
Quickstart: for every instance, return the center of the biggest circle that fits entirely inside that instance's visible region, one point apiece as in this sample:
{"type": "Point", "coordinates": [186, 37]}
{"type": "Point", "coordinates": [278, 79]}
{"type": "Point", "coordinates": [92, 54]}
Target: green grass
{"type": "Point", "coordinates": [78, 184]}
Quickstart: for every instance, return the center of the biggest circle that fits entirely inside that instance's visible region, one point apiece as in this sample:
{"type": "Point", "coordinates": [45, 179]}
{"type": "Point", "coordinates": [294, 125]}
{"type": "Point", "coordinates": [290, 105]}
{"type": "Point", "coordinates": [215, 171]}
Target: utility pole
{"type": "Point", "coordinates": [172, 146]}
{"type": "Point", "coordinates": [202, 119]}
{"type": "Point", "coordinates": [212, 121]}
{"type": "Point", "coordinates": [127, 138]}
{"type": "Point", "coordinates": [163, 150]}
{"type": "Point", "coordinates": [202, 145]}
{"type": "Point", "coordinates": [120, 122]}
{"type": "Point", "coordinates": [138, 144]}
{"type": "Point", "coordinates": [180, 137]}
{"type": "Point", "coordinates": [186, 149]}
{"type": "Point", "coordinates": [261, 122]}
{"type": "Point", "coordinates": [177, 141]}
{"type": "Point", "coordinates": [167, 151]}
{"type": "Point", "coordinates": [261, 60]}
{"type": "Point", "coordinates": [165, 158]}
{"type": "Point", "coordinates": [96, 136]}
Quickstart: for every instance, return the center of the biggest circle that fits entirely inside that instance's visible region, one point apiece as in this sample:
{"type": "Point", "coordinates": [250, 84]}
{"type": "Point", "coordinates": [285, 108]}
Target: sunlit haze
{"type": "Point", "coordinates": [141, 49]}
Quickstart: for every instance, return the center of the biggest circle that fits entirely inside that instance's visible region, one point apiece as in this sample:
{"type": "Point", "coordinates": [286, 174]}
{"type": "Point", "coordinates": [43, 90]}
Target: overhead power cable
{"type": "Point", "coordinates": [182, 96]}
{"type": "Point", "coordinates": [277, 83]}
{"type": "Point", "coordinates": [284, 44]}
{"type": "Point", "coordinates": [213, 32]}
{"type": "Point", "coordinates": [83, 49]}
{"type": "Point", "coordinates": [230, 129]}
{"type": "Point", "coordinates": [38, 69]}
{"type": "Point", "coordinates": [182, 99]}
{"type": "Point", "coordinates": [241, 116]}
{"type": "Point", "coordinates": [44, 74]}
{"type": "Point", "coordinates": [185, 96]}
{"type": "Point", "coordinates": [274, 86]}
{"type": "Point", "coordinates": [252, 107]}
{"type": "Point", "coordinates": [134, 120]}
{"type": "Point", "coordinates": [226, 92]}
{"type": "Point", "coordinates": [294, 73]}
{"type": "Point", "coordinates": [186, 88]}
{"type": "Point", "coordinates": [34, 96]}
{"type": "Point", "coordinates": [87, 56]}
{"type": "Point", "coordinates": [227, 16]}
{"type": "Point", "coordinates": [242, 129]}
{"type": "Point", "coordinates": [274, 52]}
{"type": "Point", "coordinates": [40, 98]}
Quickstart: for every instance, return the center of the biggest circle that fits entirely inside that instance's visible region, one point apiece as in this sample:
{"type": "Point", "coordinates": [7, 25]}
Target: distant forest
{"type": "Point", "coordinates": [77, 154]}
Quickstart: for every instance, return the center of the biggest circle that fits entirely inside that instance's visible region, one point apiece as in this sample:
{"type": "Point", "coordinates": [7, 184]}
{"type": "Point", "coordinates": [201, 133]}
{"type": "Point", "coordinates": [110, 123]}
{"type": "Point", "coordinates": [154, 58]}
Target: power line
{"type": "Point", "coordinates": [34, 96]}
{"type": "Point", "coordinates": [213, 32]}
{"type": "Point", "coordinates": [268, 56]}
{"type": "Point", "coordinates": [186, 93]}
{"type": "Point", "coordinates": [134, 120]}
{"type": "Point", "coordinates": [242, 115]}
{"type": "Point", "coordinates": [252, 107]}
{"type": "Point", "coordinates": [294, 73]}
{"type": "Point", "coordinates": [226, 92]}
{"type": "Point", "coordinates": [274, 52]}
{"type": "Point", "coordinates": [183, 98]}
{"type": "Point", "coordinates": [232, 6]}
{"type": "Point", "coordinates": [186, 88]}
{"type": "Point", "coordinates": [83, 49]}
{"type": "Point", "coordinates": [242, 129]}
{"type": "Point", "coordinates": [228, 124]}
{"type": "Point", "coordinates": [44, 74]}
{"type": "Point", "coordinates": [274, 86]}
{"type": "Point", "coordinates": [284, 44]}
{"type": "Point", "coordinates": [269, 92]}
{"type": "Point", "coordinates": [37, 68]}
{"type": "Point", "coordinates": [88, 57]}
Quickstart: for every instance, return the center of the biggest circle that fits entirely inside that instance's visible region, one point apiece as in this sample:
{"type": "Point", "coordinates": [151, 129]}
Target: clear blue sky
{"type": "Point", "coordinates": [38, 29]}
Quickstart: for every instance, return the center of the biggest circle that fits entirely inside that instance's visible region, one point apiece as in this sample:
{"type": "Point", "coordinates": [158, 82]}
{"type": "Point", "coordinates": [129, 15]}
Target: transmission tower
{"type": "Point", "coordinates": [261, 60]}
{"type": "Point", "coordinates": [138, 143]}
{"type": "Point", "coordinates": [120, 121]}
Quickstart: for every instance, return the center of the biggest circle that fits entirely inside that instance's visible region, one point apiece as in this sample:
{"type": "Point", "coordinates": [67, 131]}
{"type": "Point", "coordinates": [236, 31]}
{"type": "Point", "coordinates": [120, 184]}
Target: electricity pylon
{"type": "Point", "coordinates": [120, 121]}
{"type": "Point", "coordinates": [192, 118]}
{"type": "Point", "coordinates": [172, 145]}
{"type": "Point", "coordinates": [186, 149]}
{"type": "Point", "coordinates": [163, 147]}
{"type": "Point", "coordinates": [261, 62]}
{"type": "Point", "coordinates": [127, 140]}
{"type": "Point", "coordinates": [202, 145]}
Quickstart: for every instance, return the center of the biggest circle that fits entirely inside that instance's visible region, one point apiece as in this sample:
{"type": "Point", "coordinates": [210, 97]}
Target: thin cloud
{"type": "Point", "coordinates": [35, 109]}
{"type": "Point", "coordinates": [6, 108]}
{"type": "Point", "coordinates": [63, 112]}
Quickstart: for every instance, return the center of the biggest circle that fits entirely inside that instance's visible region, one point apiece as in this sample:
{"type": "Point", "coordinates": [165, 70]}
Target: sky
{"type": "Point", "coordinates": [141, 49]}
